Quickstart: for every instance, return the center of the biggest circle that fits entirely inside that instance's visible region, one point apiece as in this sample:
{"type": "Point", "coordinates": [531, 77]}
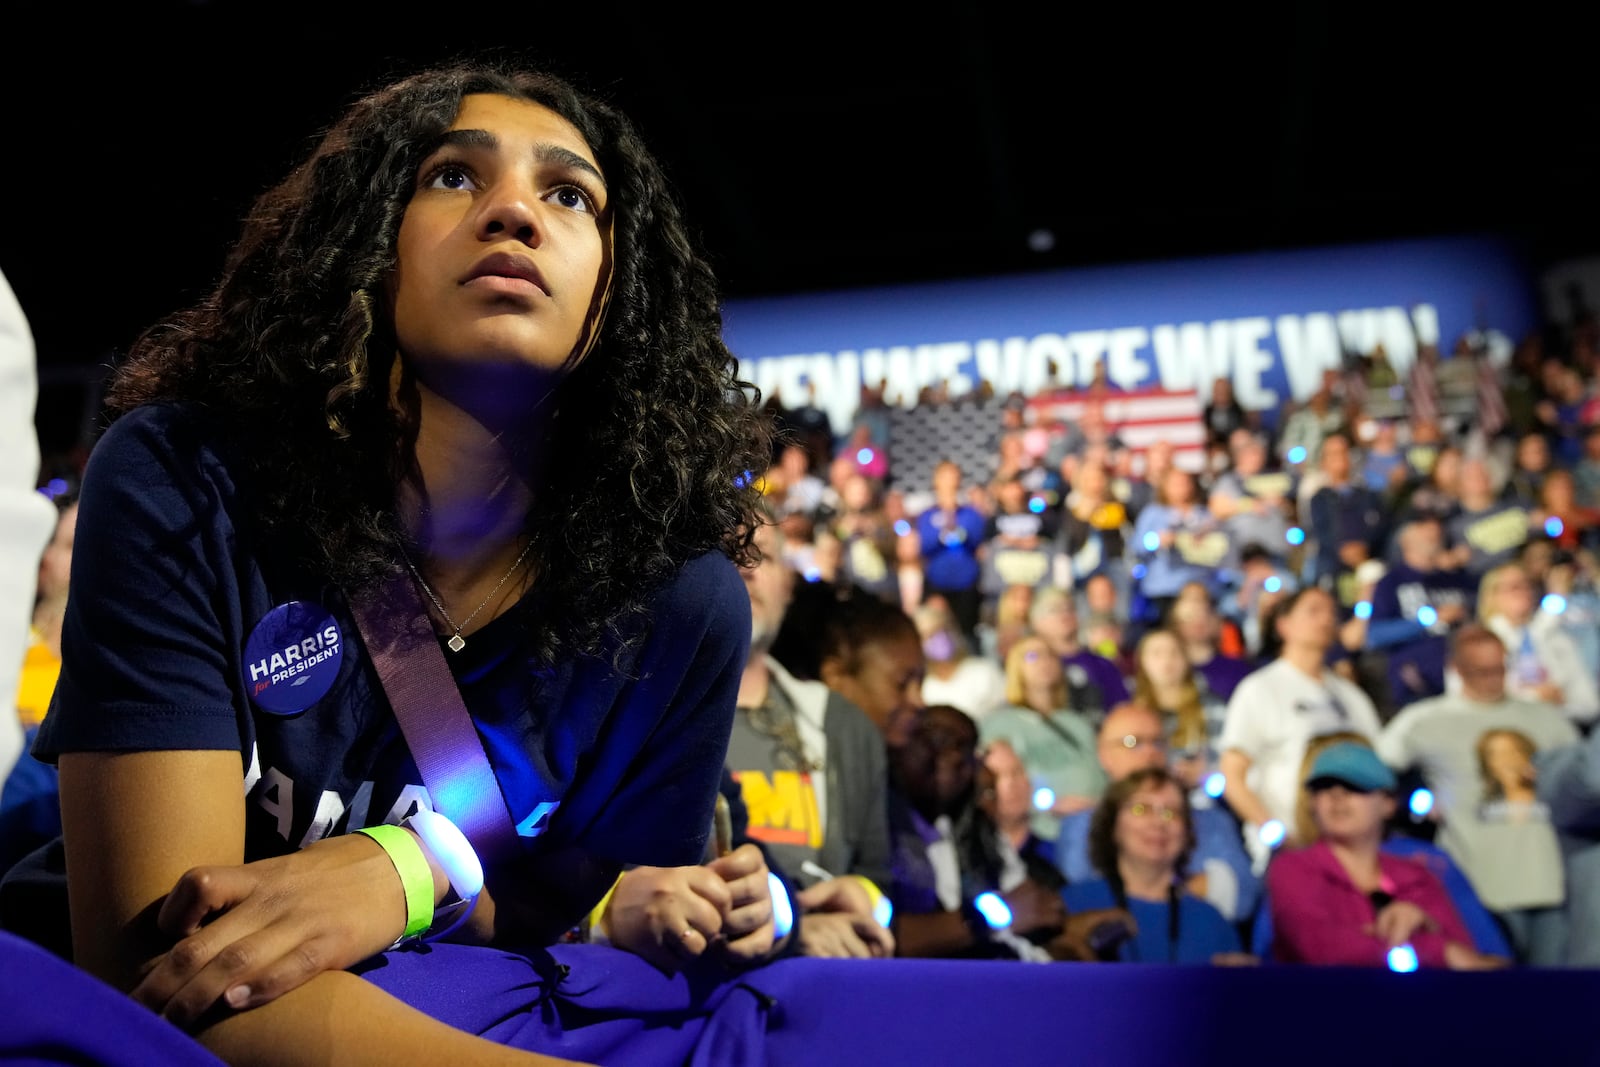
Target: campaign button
{"type": "Point", "coordinates": [292, 657]}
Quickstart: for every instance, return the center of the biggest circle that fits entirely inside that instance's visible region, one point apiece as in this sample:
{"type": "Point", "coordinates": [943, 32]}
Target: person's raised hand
{"type": "Point", "coordinates": [667, 915]}
{"type": "Point", "coordinates": [247, 934]}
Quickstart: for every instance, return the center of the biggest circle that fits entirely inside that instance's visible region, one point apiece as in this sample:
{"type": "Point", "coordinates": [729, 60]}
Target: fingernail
{"type": "Point", "coordinates": [238, 996]}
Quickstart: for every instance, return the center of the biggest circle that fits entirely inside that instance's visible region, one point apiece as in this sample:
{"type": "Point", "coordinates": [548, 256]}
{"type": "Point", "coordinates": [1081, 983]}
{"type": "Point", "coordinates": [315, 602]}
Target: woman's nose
{"type": "Point", "coordinates": [510, 211]}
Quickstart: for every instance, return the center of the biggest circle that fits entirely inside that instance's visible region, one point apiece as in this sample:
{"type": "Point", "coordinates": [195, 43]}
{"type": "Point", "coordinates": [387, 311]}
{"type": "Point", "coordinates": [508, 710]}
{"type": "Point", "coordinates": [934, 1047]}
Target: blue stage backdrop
{"type": "Point", "coordinates": [1272, 322]}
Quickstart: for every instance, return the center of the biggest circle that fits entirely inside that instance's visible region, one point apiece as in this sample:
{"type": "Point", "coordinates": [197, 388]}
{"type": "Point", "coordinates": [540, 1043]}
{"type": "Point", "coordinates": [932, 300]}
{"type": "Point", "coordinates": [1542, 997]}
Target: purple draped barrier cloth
{"type": "Point", "coordinates": [56, 1014]}
{"type": "Point", "coordinates": [603, 1006]}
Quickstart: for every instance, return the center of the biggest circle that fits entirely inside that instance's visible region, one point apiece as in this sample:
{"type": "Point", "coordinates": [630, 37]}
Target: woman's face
{"type": "Point", "coordinates": [1312, 621]}
{"type": "Point", "coordinates": [1179, 487]}
{"type": "Point", "coordinates": [1343, 814]}
{"type": "Point", "coordinates": [1507, 762]}
{"type": "Point", "coordinates": [887, 685]}
{"type": "Point", "coordinates": [1150, 826]}
{"type": "Point", "coordinates": [1040, 666]}
{"type": "Point", "coordinates": [502, 248]}
{"type": "Point", "coordinates": [1162, 660]}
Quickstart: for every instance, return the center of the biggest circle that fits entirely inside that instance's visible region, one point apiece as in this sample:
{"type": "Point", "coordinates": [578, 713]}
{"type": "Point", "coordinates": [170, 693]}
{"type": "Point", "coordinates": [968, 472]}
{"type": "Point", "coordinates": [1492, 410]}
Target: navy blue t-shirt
{"type": "Point", "coordinates": [164, 648]}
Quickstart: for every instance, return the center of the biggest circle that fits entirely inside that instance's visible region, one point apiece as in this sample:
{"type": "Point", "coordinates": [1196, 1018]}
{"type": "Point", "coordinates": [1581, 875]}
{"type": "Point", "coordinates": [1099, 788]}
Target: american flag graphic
{"type": "Point", "coordinates": [1139, 417]}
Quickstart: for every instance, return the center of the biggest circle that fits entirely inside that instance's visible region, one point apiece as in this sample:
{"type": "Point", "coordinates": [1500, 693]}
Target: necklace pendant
{"type": "Point", "coordinates": [456, 643]}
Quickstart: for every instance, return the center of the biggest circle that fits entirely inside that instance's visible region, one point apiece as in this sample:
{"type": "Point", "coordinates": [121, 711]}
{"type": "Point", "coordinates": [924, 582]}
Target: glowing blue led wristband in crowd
{"type": "Point", "coordinates": [782, 907]}
{"type": "Point", "coordinates": [995, 911]}
{"type": "Point", "coordinates": [1402, 959]}
{"type": "Point", "coordinates": [459, 861]}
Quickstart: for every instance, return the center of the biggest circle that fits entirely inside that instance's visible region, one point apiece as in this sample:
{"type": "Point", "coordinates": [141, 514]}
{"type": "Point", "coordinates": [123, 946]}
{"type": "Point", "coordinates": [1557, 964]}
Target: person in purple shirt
{"type": "Point", "coordinates": [1195, 620]}
{"type": "Point", "coordinates": [1093, 681]}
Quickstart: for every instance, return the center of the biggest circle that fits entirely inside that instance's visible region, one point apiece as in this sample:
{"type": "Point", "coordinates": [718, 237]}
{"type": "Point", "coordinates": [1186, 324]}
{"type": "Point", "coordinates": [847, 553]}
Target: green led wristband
{"type": "Point", "coordinates": [415, 875]}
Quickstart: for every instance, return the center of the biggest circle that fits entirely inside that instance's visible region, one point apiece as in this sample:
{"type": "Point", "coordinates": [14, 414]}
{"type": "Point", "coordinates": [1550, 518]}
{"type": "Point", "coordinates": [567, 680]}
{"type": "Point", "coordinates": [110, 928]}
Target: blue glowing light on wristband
{"type": "Point", "coordinates": [1273, 584]}
{"type": "Point", "coordinates": [883, 912]}
{"type": "Point", "coordinates": [1363, 609]}
{"type": "Point", "coordinates": [1553, 527]}
{"type": "Point", "coordinates": [864, 456]}
{"type": "Point", "coordinates": [1402, 959]}
{"type": "Point", "coordinates": [902, 527]}
{"type": "Point", "coordinates": [995, 911]}
{"type": "Point", "coordinates": [1152, 541]}
{"type": "Point", "coordinates": [1271, 833]}
{"type": "Point", "coordinates": [1037, 505]}
{"type": "Point", "coordinates": [1553, 603]}
{"type": "Point", "coordinates": [1295, 536]}
{"type": "Point", "coordinates": [782, 907]}
{"type": "Point", "coordinates": [1216, 783]}
{"type": "Point", "coordinates": [1427, 616]}
{"type": "Point", "coordinates": [1044, 798]}
{"type": "Point", "coordinates": [1297, 454]}
{"type": "Point", "coordinates": [1421, 803]}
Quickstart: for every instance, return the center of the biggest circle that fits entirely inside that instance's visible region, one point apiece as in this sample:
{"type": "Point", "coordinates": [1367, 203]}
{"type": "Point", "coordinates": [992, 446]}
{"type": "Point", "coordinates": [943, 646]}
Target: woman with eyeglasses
{"type": "Point", "coordinates": [1139, 841]}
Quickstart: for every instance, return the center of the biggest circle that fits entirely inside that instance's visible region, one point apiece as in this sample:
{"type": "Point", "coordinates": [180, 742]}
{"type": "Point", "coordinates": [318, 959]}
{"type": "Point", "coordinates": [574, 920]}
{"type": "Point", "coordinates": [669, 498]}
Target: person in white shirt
{"type": "Point", "coordinates": [1544, 662]}
{"type": "Point", "coordinates": [973, 684]}
{"type": "Point", "coordinates": [1278, 709]}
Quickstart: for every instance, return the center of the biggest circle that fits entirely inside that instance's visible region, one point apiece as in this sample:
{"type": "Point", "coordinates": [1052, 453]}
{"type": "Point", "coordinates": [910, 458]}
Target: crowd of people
{"type": "Point", "coordinates": [731, 686]}
{"type": "Point", "coordinates": [1148, 650]}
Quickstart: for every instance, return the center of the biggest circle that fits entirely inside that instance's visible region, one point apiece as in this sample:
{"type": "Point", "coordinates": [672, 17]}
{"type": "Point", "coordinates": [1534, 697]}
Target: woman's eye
{"type": "Point", "coordinates": [450, 177]}
{"type": "Point", "coordinates": [570, 196]}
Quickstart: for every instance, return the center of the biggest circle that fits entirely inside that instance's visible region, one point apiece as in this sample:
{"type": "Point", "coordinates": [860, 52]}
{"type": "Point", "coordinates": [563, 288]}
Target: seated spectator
{"type": "Point", "coordinates": [811, 767]}
{"type": "Point", "coordinates": [1414, 607]}
{"type": "Point", "coordinates": [41, 665]}
{"type": "Point", "coordinates": [1055, 743]}
{"type": "Point", "coordinates": [1139, 840]}
{"type": "Point", "coordinates": [1094, 681]}
{"type": "Point", "coordinates": [950, 534]}
{"type": "Point", "coordinates": [1253, 503]}
{"type": "Point", "coordinates": [1544, 661]}
{"type": "Point", "coordinates": [1488, 528]}
{"type": "Point", "coordinates": [1195, 620]}
{"type": "Point", "coordinates": [1570, 524]}
{"type": "Point", "coordinates": [1176, 540]}
{"type": "Point", "coordinates": [1262, 582]}
{"type": "Point", "coordinates": [1530, 466]}
{"type": "Point", "coordinates": [1191, 714]}
{"type": "Point", "coordinates": [866, 541]}
{"type": "Point", "coordinates": [1278, 709]}
{"type": "Point", "coordinates": [1218, 870]}
{"type": "Point", "coordinates": [1586, 475]}
{"type": "Point", "coordinates": [1383, 467]}
{"type": "Point", "coordinates": [1348, 521]}
{"type": "Point", "coordinates": [974, 684]}
{"type": "Point", "coordinates": [935, 824]}
{"type": "Point", "coordinates": [1224, 414]}
{"type": "Point", "coordinates": [1094, 527]}
{"type": "Point", "coordinates": [1569, 783]}
{"type": "Point", "coordinates": [1005, 796]}
{"type": "Point", "coordinates": [1017, 546]}
{"type": "Point", "coordinates": [1463, 743]}
{"type": "Point", "coordinates": [870, 653]}
{"type": "Point", "coordinates": [1341, 900]}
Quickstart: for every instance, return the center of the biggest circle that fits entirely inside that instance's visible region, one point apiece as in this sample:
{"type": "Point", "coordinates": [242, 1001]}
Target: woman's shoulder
{"type": "Point", "coordinates": [708, 592]}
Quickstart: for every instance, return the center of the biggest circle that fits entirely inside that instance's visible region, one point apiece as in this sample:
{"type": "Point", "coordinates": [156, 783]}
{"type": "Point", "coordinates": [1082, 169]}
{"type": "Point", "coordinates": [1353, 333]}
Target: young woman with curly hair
{"type": "Point", "coordinates": [467, 344]}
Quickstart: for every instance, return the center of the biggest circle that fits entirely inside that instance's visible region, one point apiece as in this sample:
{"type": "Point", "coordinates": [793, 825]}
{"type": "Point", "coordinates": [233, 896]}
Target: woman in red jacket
{"type": "Point", "coordinates": [1341, 901]}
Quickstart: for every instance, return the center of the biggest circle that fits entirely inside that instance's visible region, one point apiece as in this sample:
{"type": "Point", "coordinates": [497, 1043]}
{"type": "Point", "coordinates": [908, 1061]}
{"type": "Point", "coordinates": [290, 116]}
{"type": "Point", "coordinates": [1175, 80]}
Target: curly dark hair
{"type": "Point", "coordinates": [1103, 823]}
{"type": "Point", "coordinates": [292, 356]}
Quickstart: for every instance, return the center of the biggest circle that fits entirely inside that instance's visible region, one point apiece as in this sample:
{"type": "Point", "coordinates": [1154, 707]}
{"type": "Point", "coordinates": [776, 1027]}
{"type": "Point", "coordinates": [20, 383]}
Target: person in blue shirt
{"type": "Point", "coordinates": [951, 534]}
{"type": "Point", "coordinates": [1415, 605]}
{"type": "Point", "coordinates": [467, 345]}
{"type": "Point", "coordinates": [1139, 840]}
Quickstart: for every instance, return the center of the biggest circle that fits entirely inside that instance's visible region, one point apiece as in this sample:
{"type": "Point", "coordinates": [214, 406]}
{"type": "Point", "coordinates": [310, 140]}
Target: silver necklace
{"type": "Point", "coordinates": [457, 642]}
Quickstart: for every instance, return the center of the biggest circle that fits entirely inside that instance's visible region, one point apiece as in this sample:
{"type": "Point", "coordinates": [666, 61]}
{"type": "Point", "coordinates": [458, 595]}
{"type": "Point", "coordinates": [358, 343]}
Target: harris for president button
{"type": "Point", "coordinates": [292, 657]}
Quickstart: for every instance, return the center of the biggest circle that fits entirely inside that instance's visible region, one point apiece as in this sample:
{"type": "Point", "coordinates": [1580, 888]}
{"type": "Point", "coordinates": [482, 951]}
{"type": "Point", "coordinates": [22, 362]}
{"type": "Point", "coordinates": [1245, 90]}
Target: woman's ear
{"type": "Point", "coordinates": [832, 672]}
